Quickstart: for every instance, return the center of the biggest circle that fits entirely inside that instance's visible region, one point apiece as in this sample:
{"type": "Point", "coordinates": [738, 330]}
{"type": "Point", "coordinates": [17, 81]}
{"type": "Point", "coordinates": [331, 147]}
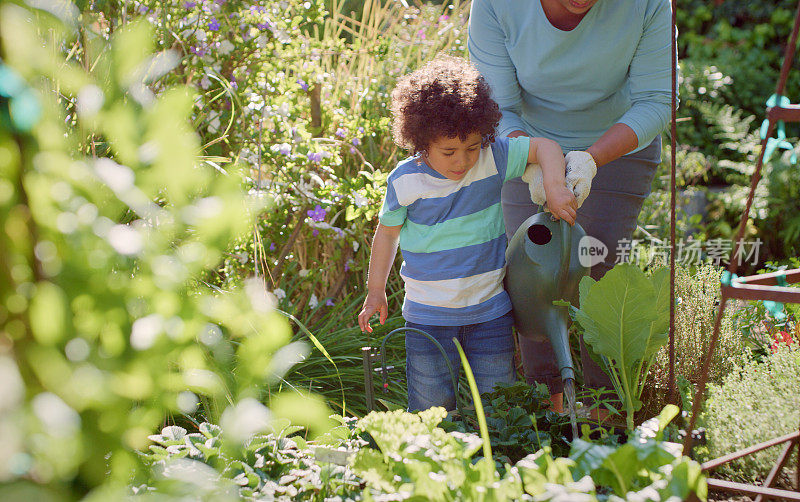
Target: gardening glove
{"type": "Point", "coordinates": [535, 180]}
{"type": "Point", "coordinates": [581, 168]}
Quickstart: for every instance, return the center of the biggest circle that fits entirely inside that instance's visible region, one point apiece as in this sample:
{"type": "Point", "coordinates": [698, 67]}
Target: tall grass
{"type": "Point", "coordinates": [373, 47]}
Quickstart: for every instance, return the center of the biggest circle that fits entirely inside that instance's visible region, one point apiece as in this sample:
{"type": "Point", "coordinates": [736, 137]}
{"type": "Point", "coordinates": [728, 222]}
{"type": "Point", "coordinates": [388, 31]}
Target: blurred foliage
{"type": "Point", "coordinates": [271, 466]}
{"type": "Point", "coordinates": [110, 219]}
{"type": "Point", "coordinates": [730, 57]}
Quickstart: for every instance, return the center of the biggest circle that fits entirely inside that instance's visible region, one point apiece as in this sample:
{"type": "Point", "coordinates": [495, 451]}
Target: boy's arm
{"type": "Point", "coordinates": [560, 200]}
{"type": "Point", "coordinates": [384, 249]}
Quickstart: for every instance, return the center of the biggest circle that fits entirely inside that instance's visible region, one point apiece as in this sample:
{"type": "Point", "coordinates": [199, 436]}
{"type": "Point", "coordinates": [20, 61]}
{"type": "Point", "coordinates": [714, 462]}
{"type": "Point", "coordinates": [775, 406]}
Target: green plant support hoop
{"type": "Point", "coordinates": [404, 330]}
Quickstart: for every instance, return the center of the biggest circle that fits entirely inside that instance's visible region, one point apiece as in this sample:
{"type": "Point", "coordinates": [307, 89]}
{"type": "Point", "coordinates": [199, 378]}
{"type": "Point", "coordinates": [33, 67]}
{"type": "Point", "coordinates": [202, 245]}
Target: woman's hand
{"type": "Point", "coordinates": [374, 303]}
{"type": "Point", "coordinates": [581, 169]}
{"type": "Point", "coordinates": [561, 202]}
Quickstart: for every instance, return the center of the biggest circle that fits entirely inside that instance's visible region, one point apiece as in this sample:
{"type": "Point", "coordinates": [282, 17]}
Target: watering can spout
{"type": "Point", "coordinates": [543, 265]}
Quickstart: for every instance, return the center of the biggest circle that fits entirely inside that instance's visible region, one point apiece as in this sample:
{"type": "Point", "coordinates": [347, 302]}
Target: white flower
{"type": "Point", "coordinates": [303, 272]}
{"type": "Point", "coordinates": [359, 199]}
{"type": "Point", "coordinates": [356, 245]}
{"type": "Point", "coordinates": [205, 82]}
{"type": "Point", "coordinates": [283, 109]}
{"type": "Point", "coordinates": [313, 302]}
{"type": "Point", "coordinates": [279, 293]}
{"type": "Point", "coordinates": [225, 47]}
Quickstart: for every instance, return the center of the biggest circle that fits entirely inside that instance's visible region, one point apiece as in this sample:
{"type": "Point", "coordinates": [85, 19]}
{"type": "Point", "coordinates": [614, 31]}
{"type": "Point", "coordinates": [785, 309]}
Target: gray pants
{"type": "Point", "coordinates": [609, 213]}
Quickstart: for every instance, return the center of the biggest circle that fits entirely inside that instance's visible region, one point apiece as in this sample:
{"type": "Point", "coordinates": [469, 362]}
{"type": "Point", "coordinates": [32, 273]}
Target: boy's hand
{"type": "Point", "coordinates": [562, 203]}
{"type": "Point", "coordinates": [375, 302]}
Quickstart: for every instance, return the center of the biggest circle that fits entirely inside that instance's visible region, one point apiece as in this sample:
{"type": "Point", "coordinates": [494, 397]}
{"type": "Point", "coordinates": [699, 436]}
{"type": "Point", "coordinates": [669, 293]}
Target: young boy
{"type": "Point", "coordinates": [443, 206]}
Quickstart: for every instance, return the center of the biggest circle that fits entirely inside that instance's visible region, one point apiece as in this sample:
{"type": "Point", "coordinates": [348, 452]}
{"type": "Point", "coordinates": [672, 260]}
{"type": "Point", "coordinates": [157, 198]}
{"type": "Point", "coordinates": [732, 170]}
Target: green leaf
{"type": "Point", "coordinates": [625, 317]}
{"type": "Point", "coordinates": [618, 469]}
{"type": "Point", "coordinates": [369, 465]}
{"type": "Point", "coordinates": [659, 328]}
{"type": "Point", "coordinates": [210, 430]}
{"type": "Point", "coordinates": [622, 307]}
{"type": "Point", "coordinates": [588, 456]}
{"type": "Point", "coordinates": [48, 313]}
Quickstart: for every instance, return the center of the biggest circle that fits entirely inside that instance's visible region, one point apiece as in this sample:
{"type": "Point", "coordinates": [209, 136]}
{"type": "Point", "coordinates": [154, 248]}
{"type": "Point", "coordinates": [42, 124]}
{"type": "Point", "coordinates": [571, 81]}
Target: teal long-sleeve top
{"type": "Point", "coordinates": [572, 86]}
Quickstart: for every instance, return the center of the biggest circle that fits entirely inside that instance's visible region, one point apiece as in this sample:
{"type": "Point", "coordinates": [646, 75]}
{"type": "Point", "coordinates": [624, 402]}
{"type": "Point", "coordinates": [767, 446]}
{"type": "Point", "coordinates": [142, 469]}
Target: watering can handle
{"type": "Point", "coordinates": [566, 253]}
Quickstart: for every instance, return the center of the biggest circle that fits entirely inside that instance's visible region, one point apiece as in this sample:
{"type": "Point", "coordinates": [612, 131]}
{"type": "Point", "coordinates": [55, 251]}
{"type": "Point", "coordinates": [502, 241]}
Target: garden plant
{"type": "Point", "coordinates": [187, 194]}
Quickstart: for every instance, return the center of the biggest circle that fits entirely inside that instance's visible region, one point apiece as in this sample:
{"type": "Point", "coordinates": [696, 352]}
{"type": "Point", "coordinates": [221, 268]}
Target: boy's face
{"type": "Point", "coordinates": [452, 157]}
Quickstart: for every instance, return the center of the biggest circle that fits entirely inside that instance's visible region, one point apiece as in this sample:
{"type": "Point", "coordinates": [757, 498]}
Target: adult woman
{"type": "Point", "coordinates": [593, 75]}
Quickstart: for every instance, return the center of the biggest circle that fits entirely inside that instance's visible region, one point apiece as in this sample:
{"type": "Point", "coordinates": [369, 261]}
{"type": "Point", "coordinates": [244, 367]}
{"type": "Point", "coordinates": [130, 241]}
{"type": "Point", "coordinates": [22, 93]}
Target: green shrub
{"type": "Point", "coordinates": [104, 327]}
{"type": "Point", "coordinates": [274, 465]}
{"type": "Point", "coordinates": [754, 403]}
{"type": "Point", "coordinates": [697, 294]}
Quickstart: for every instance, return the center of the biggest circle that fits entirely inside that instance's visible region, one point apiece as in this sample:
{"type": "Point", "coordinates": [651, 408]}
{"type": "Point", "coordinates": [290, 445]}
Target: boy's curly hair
{"type": "Point", "coordinates": [446, 97]}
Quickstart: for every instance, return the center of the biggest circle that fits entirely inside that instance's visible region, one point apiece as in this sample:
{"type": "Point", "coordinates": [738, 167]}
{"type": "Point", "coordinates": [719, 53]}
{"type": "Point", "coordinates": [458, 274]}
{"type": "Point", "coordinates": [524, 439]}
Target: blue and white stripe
{"type": "Point", "coordinates": [453, 237]}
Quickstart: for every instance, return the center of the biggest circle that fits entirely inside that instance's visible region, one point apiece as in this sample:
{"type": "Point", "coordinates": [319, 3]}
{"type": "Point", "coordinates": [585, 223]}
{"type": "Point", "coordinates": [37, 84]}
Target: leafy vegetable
{"type": "Point", "coordinates": [625, 316]}
{"type": "Point", "coordinates": [519, 422]}
{"type": "Point", "coordinates": [419, 461]}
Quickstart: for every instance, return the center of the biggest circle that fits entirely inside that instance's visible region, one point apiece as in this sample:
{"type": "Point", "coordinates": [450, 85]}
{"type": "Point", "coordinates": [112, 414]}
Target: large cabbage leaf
{"type": "Point", "coordinates": [625, 316]}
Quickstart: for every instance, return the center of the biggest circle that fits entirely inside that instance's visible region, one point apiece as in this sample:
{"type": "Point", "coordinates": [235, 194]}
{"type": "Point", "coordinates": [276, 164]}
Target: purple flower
{"type": "Point", "coordinates": [360, 130]}
{"type": "Point", "coordinates": [263, 26]}
{"type": "Point", "coordinates": [234, 84]}
{"type": "Point", "coordinates": [356, 141]}
{"type": "Point", "coordinates": [339, 232]}
{"type": "Point", "coordinates": [143, 9]}
{"type": "Point", "coordinates": [213, 25]}
{"type": "Point", "coordinates": [198, 51]}
{"type": "Point", "coordinates": [303, 84]}
{"type": "Point", "coordinates": [315, 232]}
{"type": "Point", "coordinates": [272, 246]}
{"type": "Point", "coordinates": [443, 18]}
{"type": "Point", "coordinates": [318, 213]}
{"type": "Point", "coordinates": [347, 267]}
{"type": "Point", "coordinates": [314, 156]}
{"type": "Point", "coordinates": [283, 149]}
{"type": "Point", "coordinates": [329, 302]}
{"type": "Point", "coordinates": [189, 5]}
{"type": "Point", "coordinates": [353, 150]}
{"type": "Point", "coordinates": [341, 132]}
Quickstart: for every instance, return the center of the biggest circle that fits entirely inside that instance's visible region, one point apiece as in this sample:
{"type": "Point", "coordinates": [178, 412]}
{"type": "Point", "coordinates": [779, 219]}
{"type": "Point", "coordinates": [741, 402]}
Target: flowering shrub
{"type": "Point", "coordinates": [296, 97]}
{"type": "Point", "coordinates": [756, 402]}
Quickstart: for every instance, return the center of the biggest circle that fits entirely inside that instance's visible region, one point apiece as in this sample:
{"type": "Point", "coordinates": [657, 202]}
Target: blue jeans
{"type": "Point", "coordinates": [489, 347]}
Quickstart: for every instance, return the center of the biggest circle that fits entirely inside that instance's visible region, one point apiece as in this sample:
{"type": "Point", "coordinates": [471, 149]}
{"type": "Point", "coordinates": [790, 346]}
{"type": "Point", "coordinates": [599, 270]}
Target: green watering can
{"type": "Point", "coordinates": [543, 265]}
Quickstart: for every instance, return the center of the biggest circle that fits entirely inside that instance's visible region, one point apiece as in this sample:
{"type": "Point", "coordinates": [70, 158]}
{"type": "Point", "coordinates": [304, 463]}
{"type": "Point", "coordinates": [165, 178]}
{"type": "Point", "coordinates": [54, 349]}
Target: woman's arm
{"type": "Point", "coordinates": [384, 248]}
{"type": "Point", "coordinates": [618, 140]}
{"type": "Point", "coordinates": [487, 51]}
{"type": "Point", "coordinates": [649, 79]}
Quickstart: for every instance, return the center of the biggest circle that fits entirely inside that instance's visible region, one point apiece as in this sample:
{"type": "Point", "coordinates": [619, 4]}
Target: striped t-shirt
{"type": "Point", "coordinates": [453, 238]}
